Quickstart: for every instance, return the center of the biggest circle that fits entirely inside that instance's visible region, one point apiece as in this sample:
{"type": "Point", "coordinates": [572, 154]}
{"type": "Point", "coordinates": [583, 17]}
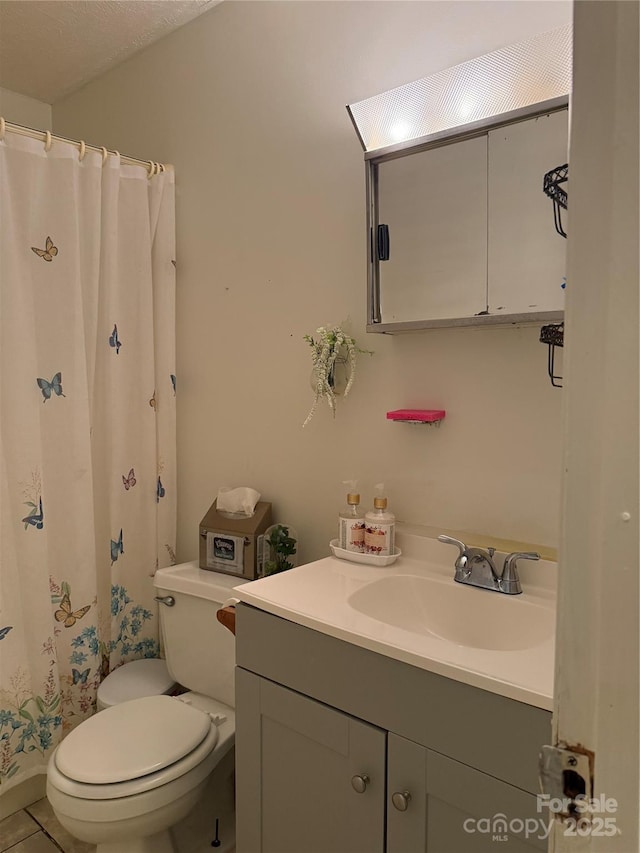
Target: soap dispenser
{"type": "Point", "coordinates": [351, 522]}
{"type": "Point", "coordinates": [380, 527]}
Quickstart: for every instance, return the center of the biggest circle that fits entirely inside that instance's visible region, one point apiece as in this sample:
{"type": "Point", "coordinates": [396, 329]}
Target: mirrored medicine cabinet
{"type": "Point", "coordinates": [459, 230]}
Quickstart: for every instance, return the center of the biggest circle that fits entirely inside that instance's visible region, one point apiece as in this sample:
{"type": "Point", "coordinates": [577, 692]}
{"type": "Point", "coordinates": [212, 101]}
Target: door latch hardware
{"type": "Point", "coordinates": [566, 779]}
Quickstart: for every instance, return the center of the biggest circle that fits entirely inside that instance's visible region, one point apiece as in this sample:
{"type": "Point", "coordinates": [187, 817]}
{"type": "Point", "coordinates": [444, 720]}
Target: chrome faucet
{"type": "Point", "coordinates": [475, 566]}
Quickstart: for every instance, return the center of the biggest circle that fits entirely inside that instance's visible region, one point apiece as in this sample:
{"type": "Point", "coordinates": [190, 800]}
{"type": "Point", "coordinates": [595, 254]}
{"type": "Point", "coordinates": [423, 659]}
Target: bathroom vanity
{"type": "Point", "coordinates": [360, 734]}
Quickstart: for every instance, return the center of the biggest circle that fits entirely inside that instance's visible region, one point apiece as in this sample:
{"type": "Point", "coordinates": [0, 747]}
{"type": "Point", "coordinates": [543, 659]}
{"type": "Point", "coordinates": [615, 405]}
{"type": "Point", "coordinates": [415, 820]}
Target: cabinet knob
{"type": "Point", "coordinates": [400, 800]}
{"type": "Point", "coordinates": [359, 783]}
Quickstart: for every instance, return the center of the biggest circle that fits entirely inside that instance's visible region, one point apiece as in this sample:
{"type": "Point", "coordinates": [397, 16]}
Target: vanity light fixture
{"type": "Point", "coordinates": [503, 81]}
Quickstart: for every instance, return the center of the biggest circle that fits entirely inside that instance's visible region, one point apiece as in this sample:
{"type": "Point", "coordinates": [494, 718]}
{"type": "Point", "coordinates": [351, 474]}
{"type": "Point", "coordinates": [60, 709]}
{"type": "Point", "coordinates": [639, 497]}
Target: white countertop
{"type": "Point", "coordinates": [320, 596]}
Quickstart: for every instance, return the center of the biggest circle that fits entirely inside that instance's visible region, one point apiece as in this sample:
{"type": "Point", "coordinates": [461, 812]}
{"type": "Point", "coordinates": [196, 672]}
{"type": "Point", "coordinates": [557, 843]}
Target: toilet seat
{"type": "Point", "coordinates": [131, 748]}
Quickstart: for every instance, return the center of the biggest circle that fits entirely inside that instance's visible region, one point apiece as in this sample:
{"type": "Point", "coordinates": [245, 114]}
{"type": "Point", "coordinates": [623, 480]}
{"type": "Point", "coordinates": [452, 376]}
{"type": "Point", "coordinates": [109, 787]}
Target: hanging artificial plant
{"type": "Point", "coordinates": [330, 348]}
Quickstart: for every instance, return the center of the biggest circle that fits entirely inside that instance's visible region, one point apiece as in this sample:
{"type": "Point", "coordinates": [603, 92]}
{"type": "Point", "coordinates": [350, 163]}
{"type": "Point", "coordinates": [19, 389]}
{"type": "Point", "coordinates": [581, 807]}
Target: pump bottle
{"type": "Point", "coordinates": [351, 524]}
{"type": "Point", "coordinates": [380, 528]}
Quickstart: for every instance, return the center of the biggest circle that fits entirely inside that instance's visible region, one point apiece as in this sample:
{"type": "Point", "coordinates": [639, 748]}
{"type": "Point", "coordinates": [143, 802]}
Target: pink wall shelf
{"type": "Point", "coordinates": [417, 416]}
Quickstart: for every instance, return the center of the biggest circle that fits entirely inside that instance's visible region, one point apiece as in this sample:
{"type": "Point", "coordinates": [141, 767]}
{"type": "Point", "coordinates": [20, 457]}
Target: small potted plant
{"type": "Point", "coordinates": [281, 540]}
{"type": "Point", "coordinates": [331, 349]}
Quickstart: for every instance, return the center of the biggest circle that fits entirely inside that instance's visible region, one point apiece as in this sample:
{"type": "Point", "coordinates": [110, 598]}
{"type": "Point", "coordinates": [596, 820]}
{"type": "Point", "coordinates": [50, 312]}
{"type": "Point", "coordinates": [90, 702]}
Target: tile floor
{"type": "Point", "coordinates": [37, 830]}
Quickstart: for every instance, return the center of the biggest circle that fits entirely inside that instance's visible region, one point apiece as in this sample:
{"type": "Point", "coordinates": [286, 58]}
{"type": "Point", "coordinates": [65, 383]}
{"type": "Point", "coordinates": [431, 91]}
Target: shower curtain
{"type": "Point", "coordinates": [87, 432]}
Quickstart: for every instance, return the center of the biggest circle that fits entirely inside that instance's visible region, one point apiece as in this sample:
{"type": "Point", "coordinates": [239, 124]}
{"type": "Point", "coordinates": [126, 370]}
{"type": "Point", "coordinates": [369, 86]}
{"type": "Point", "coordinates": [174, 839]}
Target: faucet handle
{"type": "Point", "coordinates": [462, 569]}
{"type": "Point", "coordinates": [509, 581]}
{"type": "Point", "coordinates": [449, 540]}
{"type": "Point", "coordinates": [511, 560]}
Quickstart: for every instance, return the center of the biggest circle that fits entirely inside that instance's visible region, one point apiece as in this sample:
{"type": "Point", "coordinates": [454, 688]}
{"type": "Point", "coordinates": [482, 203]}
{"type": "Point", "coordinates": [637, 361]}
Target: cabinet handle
{"type": "Point", "coordinates": [400, 800]}
{"type": "Point", "coordinates": [359, 783]}
{"type": "Point", "coordinates": [382, 242]}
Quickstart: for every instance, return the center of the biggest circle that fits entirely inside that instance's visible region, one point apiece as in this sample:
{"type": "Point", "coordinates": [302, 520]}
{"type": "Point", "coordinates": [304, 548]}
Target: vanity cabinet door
{"type": "Point", "coordinates": [295, 762]}
{"type": "Point", "coordinates": [471, 812]}
{"type": "Point", "coordinates": [452, 808]}
{"type": "Point", "coordinates": [406, 783]}
{"type": "Point", "coordinates": [527, 257]}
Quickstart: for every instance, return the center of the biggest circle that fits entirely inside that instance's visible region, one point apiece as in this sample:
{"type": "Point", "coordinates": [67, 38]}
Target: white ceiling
{"type": "Point", "coordinates": [49, 48]}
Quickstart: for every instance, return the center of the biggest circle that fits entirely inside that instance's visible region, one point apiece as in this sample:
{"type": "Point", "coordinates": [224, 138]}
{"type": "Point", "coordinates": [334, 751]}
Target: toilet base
{"type": "Point", "coordinates": [191, 819]}
{"type": "Point", "coordinates": [196, 832]}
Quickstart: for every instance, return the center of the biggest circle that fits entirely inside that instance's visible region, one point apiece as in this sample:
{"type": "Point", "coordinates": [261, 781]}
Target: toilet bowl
{"type": "Point", "coordinates": [123, 778]}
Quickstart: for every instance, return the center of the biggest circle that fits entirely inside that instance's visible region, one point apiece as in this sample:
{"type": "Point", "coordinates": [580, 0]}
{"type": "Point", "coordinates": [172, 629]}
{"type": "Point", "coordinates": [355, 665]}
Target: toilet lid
{"type": "Point", "coordinates": [131, 740]}
{"type": "Point", "coordinates": [145, 677]}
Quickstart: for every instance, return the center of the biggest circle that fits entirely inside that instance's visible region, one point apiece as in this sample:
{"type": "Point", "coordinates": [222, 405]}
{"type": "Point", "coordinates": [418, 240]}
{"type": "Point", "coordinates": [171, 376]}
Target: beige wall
{"type": "Point", "coordinates": [248, 103]}
{"type": "Point", "coordinates": [20, 109]}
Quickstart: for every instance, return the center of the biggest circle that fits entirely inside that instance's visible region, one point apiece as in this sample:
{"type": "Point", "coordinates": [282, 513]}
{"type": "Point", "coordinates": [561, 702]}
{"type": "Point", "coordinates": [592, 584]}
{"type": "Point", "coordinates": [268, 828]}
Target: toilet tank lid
{"type": "Point", "coordinates": [146, 677]}
{"type": "Point", "coordinates": [190, 579]}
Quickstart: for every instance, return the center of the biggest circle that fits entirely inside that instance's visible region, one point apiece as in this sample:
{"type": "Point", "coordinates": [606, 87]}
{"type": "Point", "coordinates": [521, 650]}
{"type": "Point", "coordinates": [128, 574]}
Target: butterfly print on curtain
{"type": "Point", "coordinates": [117, 548]}
{"type": "Point", "coordinates": [35, 517]}
{"type": "Point", "coordinates": [54, 386]}
{"type": "Point", "coordinates": [130, 481]}
{"type": "Point", "coordinates": [80, 677]}
{"type": "Point", "coordinates": [48, 253]}
{"type": "Point", "coordinates": [67, 615]}
{"type": "Point", "coordinates": [114, 341]}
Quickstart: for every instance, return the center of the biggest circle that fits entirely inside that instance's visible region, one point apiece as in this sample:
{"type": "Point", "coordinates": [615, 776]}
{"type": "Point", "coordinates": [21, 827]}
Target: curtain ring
{"type": "Point", "coordinates": [83, 150]}
{"type": "Point", "coordinates": [3, 128]}
{"type": "Point", "coordinates": [105, 154]}
{"type": "Point", "coordinates": [117, 153]}
{"type": "Point", "coordinates": [161, 168]}
{"type": "Point", "coordinates": [152, 169]}
{"type": "Point", "coordinates": [47, 141]}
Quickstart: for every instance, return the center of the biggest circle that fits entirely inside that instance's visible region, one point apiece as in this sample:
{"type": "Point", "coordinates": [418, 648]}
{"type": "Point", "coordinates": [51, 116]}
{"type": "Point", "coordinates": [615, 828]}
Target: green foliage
{"type": "Point", "coordinates": [281, 546]}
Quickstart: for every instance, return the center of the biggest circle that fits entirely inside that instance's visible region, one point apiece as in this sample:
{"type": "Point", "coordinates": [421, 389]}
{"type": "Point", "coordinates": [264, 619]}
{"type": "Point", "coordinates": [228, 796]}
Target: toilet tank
{"type": "Point", "coordinates": [200, 652]}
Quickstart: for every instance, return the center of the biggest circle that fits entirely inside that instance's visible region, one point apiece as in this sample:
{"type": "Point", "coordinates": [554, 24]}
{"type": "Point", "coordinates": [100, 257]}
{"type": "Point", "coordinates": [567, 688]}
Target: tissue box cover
{"type": "Point", "coordinates": [234, 546]}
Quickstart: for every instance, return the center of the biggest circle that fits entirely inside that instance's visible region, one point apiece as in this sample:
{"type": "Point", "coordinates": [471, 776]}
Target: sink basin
{"type": "Point", "coordinates": [463, 615]}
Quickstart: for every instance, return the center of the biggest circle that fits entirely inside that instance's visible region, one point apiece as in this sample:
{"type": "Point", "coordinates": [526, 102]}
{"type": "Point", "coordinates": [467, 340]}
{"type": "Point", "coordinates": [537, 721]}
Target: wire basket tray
{"type": "Point", "coordinates": [553, 336]}
{"type": "Point", "coordinates": [551, 188]}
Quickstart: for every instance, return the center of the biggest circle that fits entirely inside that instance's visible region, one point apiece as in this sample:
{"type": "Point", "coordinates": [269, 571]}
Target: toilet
{"type": "Point", "coordinates": [128, 776]}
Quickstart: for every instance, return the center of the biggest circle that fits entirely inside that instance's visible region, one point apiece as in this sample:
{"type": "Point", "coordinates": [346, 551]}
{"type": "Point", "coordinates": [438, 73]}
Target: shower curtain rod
{"type": "Point", "coordinates": [49, 138]}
